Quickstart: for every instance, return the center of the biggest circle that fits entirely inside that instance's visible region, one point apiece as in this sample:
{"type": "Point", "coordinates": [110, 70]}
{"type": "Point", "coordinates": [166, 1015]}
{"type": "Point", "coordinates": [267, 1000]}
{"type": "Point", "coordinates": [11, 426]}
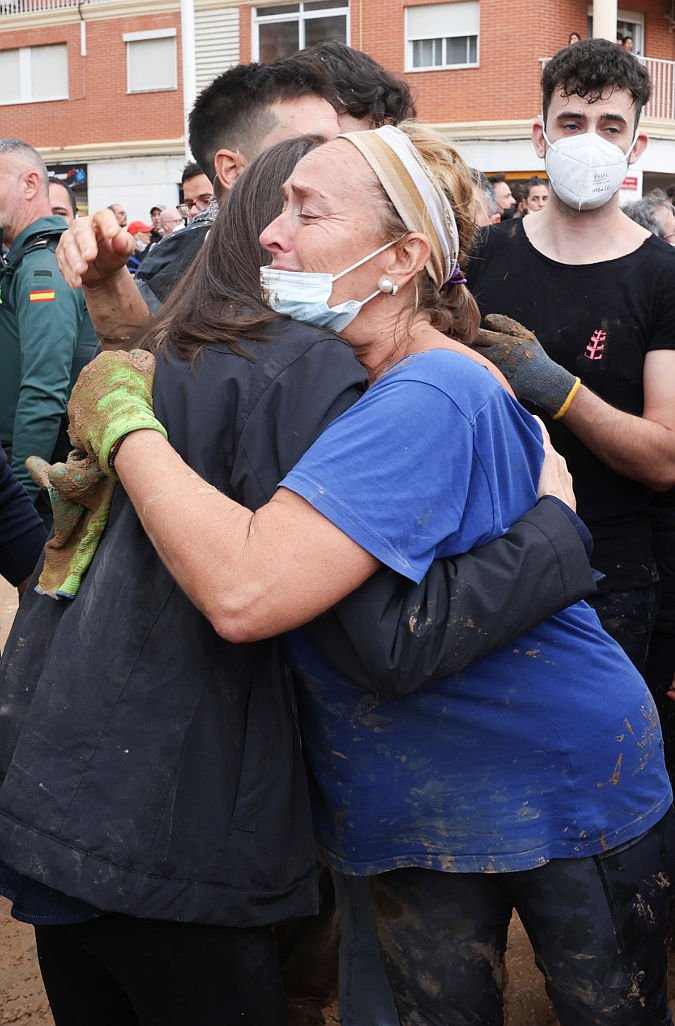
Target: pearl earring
{"type": "Point", "coordinates": [386, 285]}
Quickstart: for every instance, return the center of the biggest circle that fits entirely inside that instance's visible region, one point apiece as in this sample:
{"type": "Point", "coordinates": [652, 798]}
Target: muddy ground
{"type": "Point", "coordinates": [23, 1001]}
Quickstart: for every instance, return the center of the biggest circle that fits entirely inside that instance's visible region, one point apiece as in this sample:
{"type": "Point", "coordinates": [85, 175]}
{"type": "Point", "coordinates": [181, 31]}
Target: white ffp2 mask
{"type": "Point", "coordinates": [586, 170]}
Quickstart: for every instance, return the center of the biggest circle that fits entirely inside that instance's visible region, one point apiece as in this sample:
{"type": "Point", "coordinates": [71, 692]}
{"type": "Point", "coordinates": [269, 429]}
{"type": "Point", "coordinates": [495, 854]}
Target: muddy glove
{"type": "Point", "coordinates": [525, 365]}
{"type": "Point", "coordinates": [80, 494]}
{"type": "Point", "coordinates": [111, 398]}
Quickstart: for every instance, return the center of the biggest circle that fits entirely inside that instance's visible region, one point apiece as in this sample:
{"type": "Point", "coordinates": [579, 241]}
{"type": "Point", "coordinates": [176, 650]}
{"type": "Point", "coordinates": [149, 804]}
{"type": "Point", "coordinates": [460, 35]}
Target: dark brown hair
{"type": "Point", "coordinates": [593, 69]}
{"type": "Point", "coordinates": [364, 88]}
{"type": "Point", "coordinates": [219, 299]}
{"type": "Point", "coordinates": [233, 112]}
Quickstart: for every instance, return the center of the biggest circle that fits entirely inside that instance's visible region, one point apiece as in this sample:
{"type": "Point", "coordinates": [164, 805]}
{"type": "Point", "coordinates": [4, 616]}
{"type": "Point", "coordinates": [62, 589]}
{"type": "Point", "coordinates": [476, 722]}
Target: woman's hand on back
{"type": "Point", "coordinates": [555, 478]}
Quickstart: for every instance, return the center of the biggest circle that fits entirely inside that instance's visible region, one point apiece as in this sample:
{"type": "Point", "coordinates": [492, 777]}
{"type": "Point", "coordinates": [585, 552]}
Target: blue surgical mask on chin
{"type": "Point", "coordinates": [304, 295]}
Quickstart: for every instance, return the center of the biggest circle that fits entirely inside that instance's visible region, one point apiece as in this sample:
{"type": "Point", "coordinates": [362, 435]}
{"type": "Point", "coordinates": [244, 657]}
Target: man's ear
{"type": "Point", "coordinates": [30, 184]}
{"type": "Point", "coordinates": [538, 140]}
{"type": "Point", "coordinates": [229, 164]}
{"type": "Point", "coordinates": [639, 148]}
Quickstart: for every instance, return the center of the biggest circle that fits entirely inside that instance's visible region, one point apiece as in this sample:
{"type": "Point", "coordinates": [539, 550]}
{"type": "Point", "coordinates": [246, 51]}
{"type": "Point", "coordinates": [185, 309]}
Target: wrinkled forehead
{"type": "Point", "coordinates": [337, 166]}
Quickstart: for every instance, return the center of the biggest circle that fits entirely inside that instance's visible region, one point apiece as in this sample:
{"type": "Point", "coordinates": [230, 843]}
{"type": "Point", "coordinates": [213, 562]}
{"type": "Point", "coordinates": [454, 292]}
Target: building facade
{"type": "Point", "coordinates": [101, 87]}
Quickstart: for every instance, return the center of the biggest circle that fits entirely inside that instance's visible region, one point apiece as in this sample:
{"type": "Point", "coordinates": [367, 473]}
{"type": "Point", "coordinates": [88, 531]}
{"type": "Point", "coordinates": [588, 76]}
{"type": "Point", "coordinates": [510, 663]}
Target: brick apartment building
{"type": "Point", "coordinates": [101, 87]}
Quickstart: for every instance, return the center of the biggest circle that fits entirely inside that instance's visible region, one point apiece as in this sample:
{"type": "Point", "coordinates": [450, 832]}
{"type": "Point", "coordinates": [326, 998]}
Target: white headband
{"type": "Point", "coordinates": [415, 195]}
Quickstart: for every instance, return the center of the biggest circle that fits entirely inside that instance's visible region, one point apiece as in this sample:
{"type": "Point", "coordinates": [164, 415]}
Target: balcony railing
{"type": "Point", "coordinates": [662, 74]}
{"type": "Point", "coordinates": [33, 6]}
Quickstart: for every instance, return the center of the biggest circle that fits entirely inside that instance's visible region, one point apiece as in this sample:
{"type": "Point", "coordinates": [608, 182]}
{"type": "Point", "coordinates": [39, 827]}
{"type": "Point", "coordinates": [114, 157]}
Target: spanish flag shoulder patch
{"type": "Point", "coordinates": [42, 296]}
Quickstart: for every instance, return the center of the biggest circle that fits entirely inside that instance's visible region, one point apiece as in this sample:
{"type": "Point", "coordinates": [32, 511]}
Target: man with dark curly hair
{"type": "Point", "coordinates": [596, 289]}
{"type": "Point", "coordinates": [366, 94]}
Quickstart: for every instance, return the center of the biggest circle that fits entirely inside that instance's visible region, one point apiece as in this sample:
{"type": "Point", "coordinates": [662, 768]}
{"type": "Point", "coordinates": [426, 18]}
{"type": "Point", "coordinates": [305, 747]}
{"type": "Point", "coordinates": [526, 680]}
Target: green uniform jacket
{"type": "Point", "coordinates": [46, 338]}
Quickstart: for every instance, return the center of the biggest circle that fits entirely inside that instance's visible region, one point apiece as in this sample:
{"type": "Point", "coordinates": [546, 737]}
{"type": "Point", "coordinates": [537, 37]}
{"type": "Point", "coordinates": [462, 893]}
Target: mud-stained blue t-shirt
{"type": "Point", "coordinates": [549, 748]}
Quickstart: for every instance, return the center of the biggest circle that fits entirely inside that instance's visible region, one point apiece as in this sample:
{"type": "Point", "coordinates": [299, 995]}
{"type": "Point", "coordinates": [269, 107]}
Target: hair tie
{"type": "Point", "coordinates": [457, 277]}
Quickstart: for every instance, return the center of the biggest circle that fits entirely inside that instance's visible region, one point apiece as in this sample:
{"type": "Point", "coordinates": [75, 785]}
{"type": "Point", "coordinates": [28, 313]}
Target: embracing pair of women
{"type": "Point", "coordinates": [154, 797]}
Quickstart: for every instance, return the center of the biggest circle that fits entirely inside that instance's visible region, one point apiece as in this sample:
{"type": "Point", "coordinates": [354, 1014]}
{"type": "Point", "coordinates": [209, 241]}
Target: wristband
{"type": "Point", "coordinates": [115, 449]}
{"type": "Point", "coordinates": [566, 405]}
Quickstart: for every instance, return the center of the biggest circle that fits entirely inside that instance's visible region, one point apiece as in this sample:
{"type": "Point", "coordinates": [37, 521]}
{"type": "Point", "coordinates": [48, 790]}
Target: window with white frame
{"type": "Point", "coordinates": [281, 30]}
{"type": "Point", "coordinates": [33, 73]}
{"type": "Point", "coordinates": [151, 60]}
{"type": "Point", "coordinates": [442, 35]}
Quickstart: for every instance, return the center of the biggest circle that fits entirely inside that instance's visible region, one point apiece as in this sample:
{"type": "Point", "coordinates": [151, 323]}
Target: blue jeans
{"type": "Point", "coordinates": [364, 994]}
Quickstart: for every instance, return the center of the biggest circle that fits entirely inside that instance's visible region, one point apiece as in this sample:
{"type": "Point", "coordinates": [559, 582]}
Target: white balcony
{"type": "Point", "coordinates": [662, 73]}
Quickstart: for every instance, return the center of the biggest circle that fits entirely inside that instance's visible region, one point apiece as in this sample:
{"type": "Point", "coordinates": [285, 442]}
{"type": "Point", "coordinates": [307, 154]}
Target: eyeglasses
{"type": "Point", "coordinates": [201, 203]}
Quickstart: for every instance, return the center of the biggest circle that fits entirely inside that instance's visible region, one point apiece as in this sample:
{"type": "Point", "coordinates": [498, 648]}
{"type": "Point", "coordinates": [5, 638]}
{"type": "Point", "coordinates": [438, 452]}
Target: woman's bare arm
{"type": "Point", "coordinates": [253, 575]}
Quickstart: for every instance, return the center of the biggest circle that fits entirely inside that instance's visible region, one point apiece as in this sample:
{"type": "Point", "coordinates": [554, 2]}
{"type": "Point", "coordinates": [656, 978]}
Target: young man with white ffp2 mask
{"type": "Point", "coordinates": [597, 291]}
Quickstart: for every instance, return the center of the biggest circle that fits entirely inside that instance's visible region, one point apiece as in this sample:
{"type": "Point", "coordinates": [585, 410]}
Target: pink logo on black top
{"type": "Point", "coordinates": [595, 350]}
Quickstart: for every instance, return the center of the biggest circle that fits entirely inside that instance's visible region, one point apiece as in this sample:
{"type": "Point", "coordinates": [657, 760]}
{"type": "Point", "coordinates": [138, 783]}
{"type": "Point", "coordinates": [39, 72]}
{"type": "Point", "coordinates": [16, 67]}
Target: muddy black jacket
{"type": "Point", "coordinates": [154, 769]}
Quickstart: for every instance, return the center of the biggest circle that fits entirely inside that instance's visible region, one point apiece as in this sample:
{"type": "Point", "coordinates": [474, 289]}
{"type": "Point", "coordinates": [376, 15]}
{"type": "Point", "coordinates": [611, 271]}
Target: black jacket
{"type": "Point", "coordinates": [154, 769]}
{"type": "Point", "coordinates": [165, 265]}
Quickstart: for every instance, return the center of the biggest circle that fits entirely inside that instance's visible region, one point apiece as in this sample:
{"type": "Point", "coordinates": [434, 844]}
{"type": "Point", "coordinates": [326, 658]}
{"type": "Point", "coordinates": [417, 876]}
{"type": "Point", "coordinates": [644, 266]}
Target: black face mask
{"type": "Point", "coordinates": [509, 212]}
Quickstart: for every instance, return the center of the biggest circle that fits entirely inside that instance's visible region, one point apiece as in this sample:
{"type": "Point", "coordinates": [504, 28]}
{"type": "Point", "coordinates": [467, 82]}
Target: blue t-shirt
{"type": "Point", "coordinates": [549, 748]}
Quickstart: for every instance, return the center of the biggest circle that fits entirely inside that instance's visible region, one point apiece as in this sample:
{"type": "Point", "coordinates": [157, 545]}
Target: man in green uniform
{"type": "Point", "coordinates": [46, 336]}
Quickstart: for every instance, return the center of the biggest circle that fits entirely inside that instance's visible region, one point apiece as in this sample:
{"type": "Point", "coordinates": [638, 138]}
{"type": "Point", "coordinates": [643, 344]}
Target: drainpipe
{"type": "Point", "coordinates": [605, 16]}
{"type": "Point", "coordinates": [187, 28]}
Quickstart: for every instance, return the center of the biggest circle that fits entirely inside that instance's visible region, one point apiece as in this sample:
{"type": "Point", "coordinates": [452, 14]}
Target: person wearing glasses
{"type": "Point", "coordinates": [197, 191]}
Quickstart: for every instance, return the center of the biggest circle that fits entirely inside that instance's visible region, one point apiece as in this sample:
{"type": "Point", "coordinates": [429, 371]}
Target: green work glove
{"type": "Point", "coordinates": [520, 357]}
{"type": "Point", "coordinates": [111, 398]}
{"type": "Point", "coordinates": [80, 494]}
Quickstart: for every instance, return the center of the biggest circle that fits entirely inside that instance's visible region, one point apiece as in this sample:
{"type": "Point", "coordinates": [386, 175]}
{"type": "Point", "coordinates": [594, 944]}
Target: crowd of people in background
{"type": "Point", "coordinates": [197, 196]}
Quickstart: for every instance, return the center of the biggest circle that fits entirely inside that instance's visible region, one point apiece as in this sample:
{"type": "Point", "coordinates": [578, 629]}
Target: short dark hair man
{"type": "Point", "coordinates": [197, 190]}
{"type": "Point", "coordinates": [597, 290]}
{"type": "Point", "coordinates": [62, 199]}
{"type": "Point", "coordinates": [253, 106]}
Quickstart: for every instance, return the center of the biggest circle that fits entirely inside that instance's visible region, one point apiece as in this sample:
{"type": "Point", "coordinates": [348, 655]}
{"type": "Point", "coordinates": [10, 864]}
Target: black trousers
{"type": "Point", "coordinates": [600, 928]}
{"type": "Point", "coordinates": [629, 617]}
{"type": "Point", "coordinates": [660, 671]}
{"type": "Point", "coordinates": [121, 971]}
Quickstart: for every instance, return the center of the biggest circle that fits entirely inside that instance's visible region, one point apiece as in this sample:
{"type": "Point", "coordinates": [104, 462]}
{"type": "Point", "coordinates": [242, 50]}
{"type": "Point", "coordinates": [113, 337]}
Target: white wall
{"type": "Point", "coordinates": [137, 184]}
